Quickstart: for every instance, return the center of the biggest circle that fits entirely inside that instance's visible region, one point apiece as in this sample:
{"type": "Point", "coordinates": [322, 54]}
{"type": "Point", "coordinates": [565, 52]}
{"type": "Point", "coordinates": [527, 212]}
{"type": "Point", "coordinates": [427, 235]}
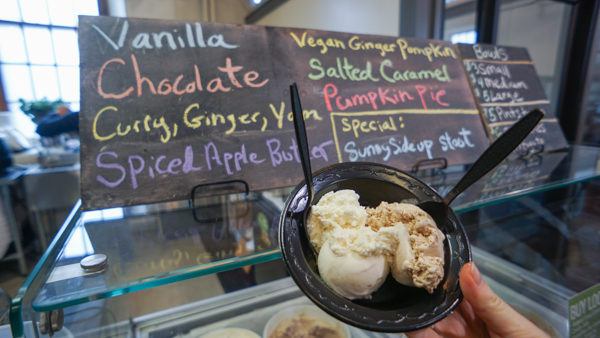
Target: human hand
{"type": "Point", "coordinates": [481, 314]}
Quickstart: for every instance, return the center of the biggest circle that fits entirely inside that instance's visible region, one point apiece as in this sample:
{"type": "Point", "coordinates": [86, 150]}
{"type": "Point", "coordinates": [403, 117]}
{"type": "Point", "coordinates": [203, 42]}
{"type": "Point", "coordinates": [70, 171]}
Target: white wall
{"type": "Point", "coordinates": [165, 9]}
{"type": "Point", "coordinates": [224, 11]}
{"type": "Point", "coordinates": [353, 16]}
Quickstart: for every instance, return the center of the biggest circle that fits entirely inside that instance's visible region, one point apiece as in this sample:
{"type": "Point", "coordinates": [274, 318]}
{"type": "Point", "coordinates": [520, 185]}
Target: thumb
{"type": "Point", "coordinates": [498, 316]}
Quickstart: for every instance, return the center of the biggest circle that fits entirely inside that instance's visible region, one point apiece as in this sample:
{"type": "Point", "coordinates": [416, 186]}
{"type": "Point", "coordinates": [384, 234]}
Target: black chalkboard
{"type": "Point", "coordinates": [167, 105]}
{"type": "Point", "coordinates": [507, 86]}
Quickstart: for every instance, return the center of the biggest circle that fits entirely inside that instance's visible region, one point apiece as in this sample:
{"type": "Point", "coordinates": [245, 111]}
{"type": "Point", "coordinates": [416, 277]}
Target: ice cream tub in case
{"type": "Point", "coordinates": [304, 321]}
{"type": "Point", "coordinates": [231, 332]}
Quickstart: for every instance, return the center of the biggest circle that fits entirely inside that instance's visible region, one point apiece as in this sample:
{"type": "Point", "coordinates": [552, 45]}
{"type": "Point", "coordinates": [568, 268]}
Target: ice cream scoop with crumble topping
{"type": "Point", "coordinates": [418, 258]}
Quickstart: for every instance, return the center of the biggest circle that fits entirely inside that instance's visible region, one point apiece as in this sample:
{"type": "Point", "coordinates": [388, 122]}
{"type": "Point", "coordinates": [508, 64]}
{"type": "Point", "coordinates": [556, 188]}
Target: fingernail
{"type": "Point", "coordinates": [475, 274]}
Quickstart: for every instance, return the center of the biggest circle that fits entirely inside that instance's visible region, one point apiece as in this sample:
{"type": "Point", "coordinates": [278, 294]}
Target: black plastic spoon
{"type": "Point", "coordinates": [302, 140]}
{"type": "Point", "coordinates": [491, 157]}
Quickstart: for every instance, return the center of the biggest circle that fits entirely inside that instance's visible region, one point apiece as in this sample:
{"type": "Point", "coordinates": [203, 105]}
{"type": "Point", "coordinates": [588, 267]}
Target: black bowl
{"type": "Point", "coordinates": [394, 307]}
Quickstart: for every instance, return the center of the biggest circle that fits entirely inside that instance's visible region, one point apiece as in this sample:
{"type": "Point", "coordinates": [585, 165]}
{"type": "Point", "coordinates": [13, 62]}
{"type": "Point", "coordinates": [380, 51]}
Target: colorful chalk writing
{"type": "Point", "coordinates": [167, 105]}
{"type": "Point", "coordinates": [354, 141]}
{"type": "Point", "coordinates": [389, 100]}
{"type": "Point", "coordinates": [506, 85]}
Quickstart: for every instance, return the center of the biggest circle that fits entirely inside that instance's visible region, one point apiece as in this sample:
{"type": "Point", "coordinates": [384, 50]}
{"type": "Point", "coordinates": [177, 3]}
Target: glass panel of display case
{"type": "Point", "coordinates": [168, 244]}
{"type": "Point", "coordinates": [548, 240]}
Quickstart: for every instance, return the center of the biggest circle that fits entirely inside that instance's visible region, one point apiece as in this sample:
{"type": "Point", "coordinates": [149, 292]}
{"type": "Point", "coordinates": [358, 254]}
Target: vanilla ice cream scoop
{"type": "Point", "coordinates": [349, 273]}
{"type": "Point", "coordinates": [339, 209]}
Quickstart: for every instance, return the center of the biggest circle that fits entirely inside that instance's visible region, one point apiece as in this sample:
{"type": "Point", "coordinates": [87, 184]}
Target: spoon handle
{"type": "Point", "coordinates": [496, 152]}
{"type": "Point", "coordinates": [302, 139]}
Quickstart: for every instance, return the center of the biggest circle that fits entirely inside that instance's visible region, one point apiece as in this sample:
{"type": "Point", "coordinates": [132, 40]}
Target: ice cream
{"type": "Point", "coordinates": [389, 214]}
{"type": "Point", "coordinates": [307, 326]}
{"type": "Point", "coordinates": [339, 209]}
{"type": "Point", "coordinates": [418, 259]}
{"type": "Point", "coordinates": [351, 258]}
{"type": "Point", "coordinates": [353, 262]}
{"type": "Point", "coordinates": [357, 247]}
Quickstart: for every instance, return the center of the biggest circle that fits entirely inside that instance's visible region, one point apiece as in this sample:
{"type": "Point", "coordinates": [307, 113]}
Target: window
{"type": "Point", "coordinates": [469, 36]}
{"type": "Point", "coordinates": [39, 56]}
{"type": "Point", "coordinates": [459, 21]}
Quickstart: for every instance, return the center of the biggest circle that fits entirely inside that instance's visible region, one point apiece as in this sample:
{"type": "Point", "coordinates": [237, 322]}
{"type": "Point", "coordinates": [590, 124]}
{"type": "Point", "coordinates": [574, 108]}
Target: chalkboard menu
{"type": "Point", "coordinates": [507, 86]}
{"type": "Point", "coordinates": [167, 105]}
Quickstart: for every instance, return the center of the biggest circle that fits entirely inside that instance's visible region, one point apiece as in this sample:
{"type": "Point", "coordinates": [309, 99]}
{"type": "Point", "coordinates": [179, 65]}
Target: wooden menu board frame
{"type": "Point", "coordinates": [167, 105]}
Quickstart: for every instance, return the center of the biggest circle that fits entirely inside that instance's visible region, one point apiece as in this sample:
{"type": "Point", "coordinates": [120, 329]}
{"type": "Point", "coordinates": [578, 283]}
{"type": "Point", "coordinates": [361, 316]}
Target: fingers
{"type": "Point", "coordinates": [466, 310]}
{"type": "Point", "coordinates": [461, 324]}
{"type": "Point", "coordinates": [423, 333]}
{"type": "Point", "coordinates": [475, 323]}
{"type": "Point", "coordinates": [452, 326]}
{"type": "Point", "coordinates": [499, 317]}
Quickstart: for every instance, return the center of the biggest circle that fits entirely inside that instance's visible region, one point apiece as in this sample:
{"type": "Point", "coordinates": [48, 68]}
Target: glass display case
{"type": "Point", "coordinates": [181, 269]}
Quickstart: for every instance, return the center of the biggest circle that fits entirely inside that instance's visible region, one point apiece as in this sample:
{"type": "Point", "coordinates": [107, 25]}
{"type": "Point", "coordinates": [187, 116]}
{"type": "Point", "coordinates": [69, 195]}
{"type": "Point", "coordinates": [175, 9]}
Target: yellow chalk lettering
{"type": "Point", "coordinates": [97, 136]}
